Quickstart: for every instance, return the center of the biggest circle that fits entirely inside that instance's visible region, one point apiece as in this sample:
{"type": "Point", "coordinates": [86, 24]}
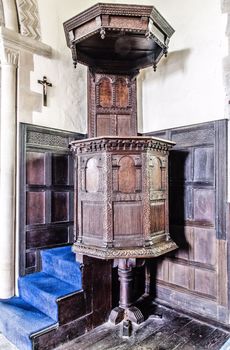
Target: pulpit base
{"type": "Point", "coordinates": [107, 253]}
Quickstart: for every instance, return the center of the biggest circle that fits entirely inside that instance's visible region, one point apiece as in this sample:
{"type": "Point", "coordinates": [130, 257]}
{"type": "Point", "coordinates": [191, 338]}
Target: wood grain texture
{"type": "Point", "coordinates": [125, 208]}
{"type": "Point", "coordinates": [105, 93]}
{"type": "Point", "coordinates": [171, 331]}
{"type": "Point", "coordinates": [35, 207]}
{"type": "Point", "coordinates": [35, 168]}
{"type": "Point", "coordinates": [199, 271]}
{"type": "Point", "coordinates": [111, 110]}
{"type": "Point", "coordinates": [46, 192]}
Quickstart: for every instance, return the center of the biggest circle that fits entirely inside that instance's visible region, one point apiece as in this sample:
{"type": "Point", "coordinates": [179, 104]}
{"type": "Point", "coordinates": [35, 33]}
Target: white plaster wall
{"type": "Point", "coordinates": [187, 87]}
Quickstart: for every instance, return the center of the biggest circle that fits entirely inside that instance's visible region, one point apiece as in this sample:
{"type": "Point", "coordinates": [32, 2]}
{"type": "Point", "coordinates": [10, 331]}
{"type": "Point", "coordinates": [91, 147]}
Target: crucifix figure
{"type": "Point", "coordinates": [44, 83]}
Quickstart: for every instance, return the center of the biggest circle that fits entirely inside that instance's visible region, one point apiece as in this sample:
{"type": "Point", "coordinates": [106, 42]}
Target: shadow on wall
{"type": "Point", "coordinates": [146, 277]}
{"type": "Point", "coordinates": [177, 219]}
{"type": "Point", "coordinates": [175, 62]}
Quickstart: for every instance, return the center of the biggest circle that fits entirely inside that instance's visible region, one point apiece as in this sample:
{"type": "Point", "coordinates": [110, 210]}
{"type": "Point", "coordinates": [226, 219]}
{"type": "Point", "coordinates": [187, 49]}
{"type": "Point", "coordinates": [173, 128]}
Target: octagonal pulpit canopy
{"type": "Point", "coordinates": [118, 38]}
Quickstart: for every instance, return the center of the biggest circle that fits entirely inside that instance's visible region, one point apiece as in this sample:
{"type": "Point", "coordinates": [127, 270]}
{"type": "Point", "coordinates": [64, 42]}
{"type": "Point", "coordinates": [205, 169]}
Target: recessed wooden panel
{"type": "Point", "coordinates": [155, 174]}
{"type": "Point", "coordinates": [124, 125]}
{"type": "Point", "coordinates": [194, 135]}
{"type": "Point", "coordinates": [46, 237]}
{"type": "Point", "coordinates": [105, 93]}
{"type": "Point", "coordinates": [160, 270]}
{"type": "Point", "coordinates": [127, 22]}
{"type": "Point", "coordinates": [184, 238]}
{"type": "Point", "coordinates": [127, 175]}
{"type": "Point", "coordinates": [59, 206]}
{"type": "Point", "coordinates": [35, 168]}
{"type": "Point", "coordinates": [30, 259]}
{"type": "Point", "coordinates": [106, 125]}
{"type": "Point", "coordinates": [179, 275]}
{"type": "Point", "coordinates": [204, 205]}
{"type": "Point", "coordinates": [205, 246]}
{"type": "Point", "coordinates": [60, 169]}
{"type": "Point", "coordinates": [46, 192]}
{"type": "Point", "coordinates": [180, 204]}
{"type": "Point", "coordinates": [35, 208]}
{"type": "Point", "coordinates": [92, 175]}
{"type": "Point", "coordinates": [127, 218]}
{"type": "Point", "coordinates": [157, 213]}
{"type": "Point", "coordinates": [204, 164]}
{"type": "Point", "coordinates": [92, 217]}
{"type": "Point", "coordinates": [122, 93]}
{"type": "Point", "coordinates": [180, 166]}
{"type": "Point", "coordinates": [205, 282]}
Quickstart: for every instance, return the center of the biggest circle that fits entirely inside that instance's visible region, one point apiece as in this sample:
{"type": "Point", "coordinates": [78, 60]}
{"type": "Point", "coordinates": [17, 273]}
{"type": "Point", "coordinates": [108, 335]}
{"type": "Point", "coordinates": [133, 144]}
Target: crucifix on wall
{"type": "Point", "coordinates": [44, 83]}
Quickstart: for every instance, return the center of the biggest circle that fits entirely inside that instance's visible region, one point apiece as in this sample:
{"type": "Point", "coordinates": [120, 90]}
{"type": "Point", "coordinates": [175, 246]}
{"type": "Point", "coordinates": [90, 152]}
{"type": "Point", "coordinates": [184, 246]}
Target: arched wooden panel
{"type": "Point", "coordinates": [155, 174]}
{"type": "Point", "coordinates": [105, 95]}
{"type": "Point", "coordinates": [127, 175]}
{"type": "Point", "coordinates": [92, 176]}
{"type": "Point", "coordinates": [122, 93]}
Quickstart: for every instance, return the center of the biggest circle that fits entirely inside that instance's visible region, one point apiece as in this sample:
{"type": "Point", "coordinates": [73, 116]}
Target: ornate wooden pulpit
{"type": "Point", "coordinates": [121, 209]}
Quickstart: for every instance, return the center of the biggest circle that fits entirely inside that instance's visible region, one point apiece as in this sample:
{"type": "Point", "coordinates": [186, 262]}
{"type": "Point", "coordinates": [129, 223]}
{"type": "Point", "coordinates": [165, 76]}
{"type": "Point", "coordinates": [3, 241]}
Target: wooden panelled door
{"type": "Point", "coordinates": [46, 193]}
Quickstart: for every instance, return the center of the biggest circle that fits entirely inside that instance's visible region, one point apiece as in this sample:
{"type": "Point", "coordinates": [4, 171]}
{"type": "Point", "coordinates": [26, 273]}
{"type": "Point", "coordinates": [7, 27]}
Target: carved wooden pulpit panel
{"type": "Point", "coordinates": [122, 197]}
{"type": "Point", "coordinates": [112, 105]}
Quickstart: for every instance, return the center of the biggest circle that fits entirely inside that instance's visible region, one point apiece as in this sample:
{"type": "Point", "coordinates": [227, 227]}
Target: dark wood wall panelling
{"type": "Point", "coordinates": [46, 192]}
{"type": "Point", "coordinates": [196, 277]}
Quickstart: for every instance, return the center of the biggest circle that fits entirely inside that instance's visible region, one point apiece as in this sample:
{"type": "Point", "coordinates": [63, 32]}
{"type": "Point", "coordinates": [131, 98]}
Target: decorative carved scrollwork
{"type": "Point", "coordinates": [120, 143]}
{"type": "Point", "coordinates": [113, 253]}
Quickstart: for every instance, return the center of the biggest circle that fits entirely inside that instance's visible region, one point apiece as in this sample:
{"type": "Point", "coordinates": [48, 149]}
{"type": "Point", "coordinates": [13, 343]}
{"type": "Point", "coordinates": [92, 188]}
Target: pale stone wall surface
{"type": "Point", "coordinates": [187, 88]}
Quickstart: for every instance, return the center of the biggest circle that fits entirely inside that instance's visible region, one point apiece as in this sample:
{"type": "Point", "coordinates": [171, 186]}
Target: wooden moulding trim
{"type": "Point", "coordinates": [118, 10]}
{"type": "Point", "coordinates": [111, 143]}
{"type": "Point", "coordinates": [113, 253]}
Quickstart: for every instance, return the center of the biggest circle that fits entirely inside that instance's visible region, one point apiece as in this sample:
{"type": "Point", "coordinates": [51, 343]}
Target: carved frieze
{"type": "Point", "coordinates": [118, 253]}
{"type": "Point", "coordinates": [39, 138]}
{"type": "Point", "coordinates": [99, 144]}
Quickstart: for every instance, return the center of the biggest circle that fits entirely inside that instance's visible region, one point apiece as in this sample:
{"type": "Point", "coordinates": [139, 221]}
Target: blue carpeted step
{"type": "Point", "coordinates": [42, 290]}
{"type": "Point", "coordinates": [61, 263]}
{"type": "Point", "coordinates": [19, 320]}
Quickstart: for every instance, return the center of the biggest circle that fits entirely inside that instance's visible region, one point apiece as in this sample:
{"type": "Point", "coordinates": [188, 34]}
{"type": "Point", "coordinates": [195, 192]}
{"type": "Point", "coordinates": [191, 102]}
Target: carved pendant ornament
{"type": "Point", "coordinates": [118, 38]}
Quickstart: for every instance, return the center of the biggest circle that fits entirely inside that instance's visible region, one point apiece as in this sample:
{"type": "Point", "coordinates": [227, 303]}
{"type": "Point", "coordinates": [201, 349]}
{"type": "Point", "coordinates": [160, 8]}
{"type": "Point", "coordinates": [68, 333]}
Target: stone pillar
{"type": "Point", "coordinates": [9, 62]}
{"type": "Point", "coordinates": [10, 14]}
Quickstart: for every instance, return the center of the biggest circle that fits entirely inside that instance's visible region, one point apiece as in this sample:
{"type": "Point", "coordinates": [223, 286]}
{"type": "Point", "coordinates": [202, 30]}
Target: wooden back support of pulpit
{"type": "Point", "coordinates": [121, 192]}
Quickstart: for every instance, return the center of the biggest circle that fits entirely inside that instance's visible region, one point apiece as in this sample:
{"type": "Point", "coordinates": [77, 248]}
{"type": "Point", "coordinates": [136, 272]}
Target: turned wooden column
{"type": "Point", "coordinates": [125, 275]}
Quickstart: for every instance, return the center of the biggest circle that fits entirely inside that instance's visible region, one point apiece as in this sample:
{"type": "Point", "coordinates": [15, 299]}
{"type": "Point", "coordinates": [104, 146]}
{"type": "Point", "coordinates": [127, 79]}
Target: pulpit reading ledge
{"type": "Point", "coordinates": [121, 191]}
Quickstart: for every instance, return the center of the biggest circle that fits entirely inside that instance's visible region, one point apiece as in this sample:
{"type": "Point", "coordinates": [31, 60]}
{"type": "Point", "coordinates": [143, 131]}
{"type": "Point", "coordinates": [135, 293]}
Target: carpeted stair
{"type": "Point", "coordinates": [36, 309]}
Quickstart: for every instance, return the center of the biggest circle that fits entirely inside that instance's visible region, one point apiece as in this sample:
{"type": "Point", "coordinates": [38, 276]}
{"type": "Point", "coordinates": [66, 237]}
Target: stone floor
{"type": "Point", "coordinates": [169, 331]}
